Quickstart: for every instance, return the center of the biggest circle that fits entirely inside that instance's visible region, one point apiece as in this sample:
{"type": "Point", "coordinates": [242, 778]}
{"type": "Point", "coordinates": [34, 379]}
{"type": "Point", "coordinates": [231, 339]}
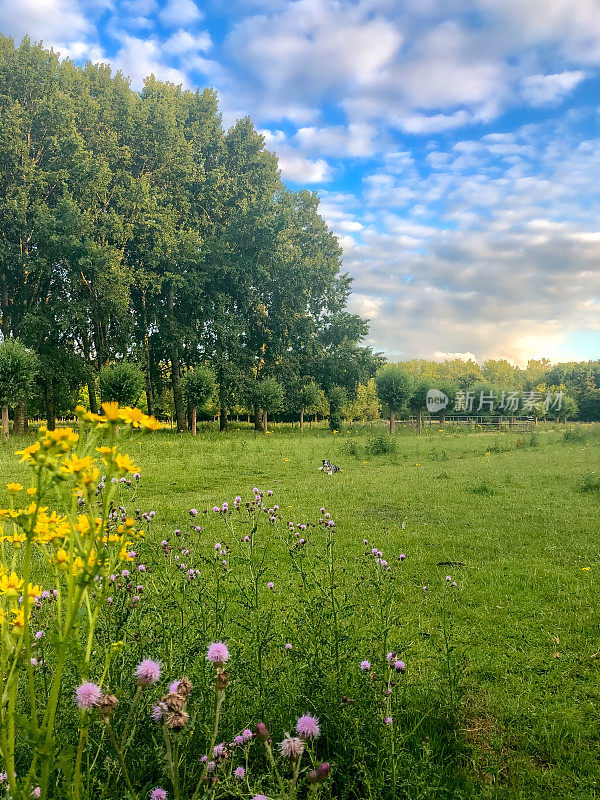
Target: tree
{"type": "Point", "coordinates": [305, 397]}
{"type": "Point", "coordinates": [17, 371]}
{"type": "Point", "coordinates": [198, 388]}
{"type": "Point", "coordinates": [268, 395]}
{"type": "Point", "coordinates": [121, 383]}
{"type": "Point", "coordinates": [418, 400]}
{"type": "Point", "coordinates": [338, 397]}
{"type": "Point", "coordinates": [366, 405]}
{"type": "Point", "coordinates": [394, 388]}
{"type": "Point", "coordinates": [568, 409]}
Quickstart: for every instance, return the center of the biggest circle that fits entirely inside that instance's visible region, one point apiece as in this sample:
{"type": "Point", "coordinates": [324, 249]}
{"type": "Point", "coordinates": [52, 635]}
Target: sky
{"type": "Point", "coordinates": [455, 146]}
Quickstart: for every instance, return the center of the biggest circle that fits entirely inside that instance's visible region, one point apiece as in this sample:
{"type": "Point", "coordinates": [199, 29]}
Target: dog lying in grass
{"type": "Point", "coordinates": [328, 468]}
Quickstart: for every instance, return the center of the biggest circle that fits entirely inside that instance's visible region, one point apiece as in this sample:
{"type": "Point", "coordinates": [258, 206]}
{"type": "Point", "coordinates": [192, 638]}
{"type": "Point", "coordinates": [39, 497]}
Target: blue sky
{"type": "Point", "coordinates": [454, 144]}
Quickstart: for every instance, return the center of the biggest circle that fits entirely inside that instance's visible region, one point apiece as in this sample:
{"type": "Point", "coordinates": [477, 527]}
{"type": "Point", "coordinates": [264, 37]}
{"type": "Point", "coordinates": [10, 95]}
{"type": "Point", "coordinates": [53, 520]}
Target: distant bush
{"type": "Point", "coordinates": [574, 435]}
{"type": "Point", "coordinates": [381, 444]}
{"type": "Point", "coordinates": [589, 483]}
{"type": "Point", "coordinates": [121, 383]}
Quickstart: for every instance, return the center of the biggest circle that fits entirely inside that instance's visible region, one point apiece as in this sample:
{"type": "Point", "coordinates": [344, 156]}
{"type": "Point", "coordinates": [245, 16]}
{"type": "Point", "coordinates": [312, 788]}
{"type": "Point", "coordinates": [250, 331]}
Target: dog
{"type": "Point", "coordinates": [328, 468]}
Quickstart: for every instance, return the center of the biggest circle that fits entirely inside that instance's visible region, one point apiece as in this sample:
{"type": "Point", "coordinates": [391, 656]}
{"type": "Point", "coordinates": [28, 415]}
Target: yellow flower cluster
{"type": "Point", "coordinates": [126, 415]}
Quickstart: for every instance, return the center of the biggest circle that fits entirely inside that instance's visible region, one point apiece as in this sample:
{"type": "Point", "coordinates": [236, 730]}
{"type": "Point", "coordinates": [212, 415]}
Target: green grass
{"type": "Point", "coordinates": [519, 512]}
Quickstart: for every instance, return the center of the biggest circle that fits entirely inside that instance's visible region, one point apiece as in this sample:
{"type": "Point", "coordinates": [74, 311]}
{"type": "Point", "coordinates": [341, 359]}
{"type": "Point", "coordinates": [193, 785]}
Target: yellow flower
{"type": "Point", "coordinates": [124, 463]}
{"type": "Point", "coordinates": [105, 450]}
{"type": "Point", "coordinates": [152, 424]}
{"type": "Point", "coordinates": [585, 569]}
{"type": "Point", "coordinates": [31, 491]}
{"type": "Point", "coordinates": [28, 452]}
{"type": "Point", "coordinates": [62, 557]}
{"type": "Point", "coordinates": [286, 459]}
{"type": "Point", "coordinates": [75, 464]}
{"type": "Point", "coordinates": [112, 411]}
{"type": "Point", "coordinates": [10, 584]}
{"type": "Point", "coordinates": [33, 591]}
{"type": "Point", "coordinates": [14, 487]}
{"type": "Point", "coordinates": [19, 620]}
{"type": "Point", "coordinates": [132, 416]}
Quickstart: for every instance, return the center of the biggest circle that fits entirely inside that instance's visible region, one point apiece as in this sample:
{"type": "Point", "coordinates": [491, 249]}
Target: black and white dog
{"type": "Point", "coordinates": [328, 468]}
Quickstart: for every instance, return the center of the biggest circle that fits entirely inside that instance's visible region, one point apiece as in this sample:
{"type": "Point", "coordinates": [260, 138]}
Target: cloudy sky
{"type": "Point", "coordinates": [455, 145]}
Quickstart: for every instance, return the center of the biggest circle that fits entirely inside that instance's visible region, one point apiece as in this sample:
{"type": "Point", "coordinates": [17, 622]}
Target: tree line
{"type": "Point", "coordinates": [135, 232]}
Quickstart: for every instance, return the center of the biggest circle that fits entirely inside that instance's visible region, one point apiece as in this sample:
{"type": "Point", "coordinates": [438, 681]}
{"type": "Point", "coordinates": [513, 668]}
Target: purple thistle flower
{"type": "Point", "coordinates": [217, 653]}
{"type": "Point", "coordinates": [39, 635]}
{"type": "Point", "coordinates": [219, 750]}
{"type": "Point", "coordinates": [402, 556]}
{"type": "Point", "coordinates": [158, 794]}
{"type": "Point", "coordinates": [194, 512]}
{"type": "Point", "coordinates": [448, 578]}
{"type": "Point", "coordinates": [260, 797]}
{"type": "Point", "coordinates": [147, 672]}
{"type": "Point", "coordinates": [454, 583]}
{"type": "Point", "coordinates": [87, 695]}
{"type": "Point", "coordinates": [173, 687]}
{"type": "Point", "coordinates": [36, 792]}
{"type": "Point", "coordinates": [247, 734]}
{"type": "Point", "coordinates": [288, 646]}
{"type": "Point", "coordinates": [239, 773]}
{"type": "Point", "coordinates": [270, 585]}
{"type": "Point", "coordinates": [387, 721]}
{"type": "Point", "coordinates": [308, 727]}
{"type": "Point", "coordinates": [216, 509]}
{"type": "Point", "coordinates": [399, 666]}
{"type": "Point", "coordinates": [158, 711]}
{"type": "Point", "coordinates": [211, 766]}
{"type": "Point", "coordinates": [365, 665]}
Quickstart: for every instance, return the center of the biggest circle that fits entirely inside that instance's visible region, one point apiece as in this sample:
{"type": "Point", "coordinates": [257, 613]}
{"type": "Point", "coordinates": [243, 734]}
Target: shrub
{"type": "Point", "coordinates": [382, 444]}
{"type": "Point", "coordinates": [121, 383]}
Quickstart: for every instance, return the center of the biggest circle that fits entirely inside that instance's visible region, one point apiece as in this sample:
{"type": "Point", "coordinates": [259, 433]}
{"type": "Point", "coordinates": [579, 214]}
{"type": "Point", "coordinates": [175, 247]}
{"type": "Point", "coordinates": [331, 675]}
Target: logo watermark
{"type": "Point", "coordinates": [506, 402]}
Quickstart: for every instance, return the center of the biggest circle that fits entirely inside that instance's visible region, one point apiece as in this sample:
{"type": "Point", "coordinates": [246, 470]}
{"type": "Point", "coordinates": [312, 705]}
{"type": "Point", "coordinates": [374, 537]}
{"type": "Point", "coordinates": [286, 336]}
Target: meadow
{"type": "Point", "coordinates": [490, 603]}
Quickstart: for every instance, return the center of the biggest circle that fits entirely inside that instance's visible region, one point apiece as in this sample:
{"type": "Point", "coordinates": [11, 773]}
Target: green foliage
{"type": "Point", "coordinates": [18, 367]}
{"type": "Point", "coordinates": [382, 444]}
{"type": "Point", "coordinates": [199, 386]}
{"type": "Point", "coordinates": [121, 383]}
{"type": "Point", "coordinates": [268, 394]}
{"type": "Point", "coordinates": [394, 387]}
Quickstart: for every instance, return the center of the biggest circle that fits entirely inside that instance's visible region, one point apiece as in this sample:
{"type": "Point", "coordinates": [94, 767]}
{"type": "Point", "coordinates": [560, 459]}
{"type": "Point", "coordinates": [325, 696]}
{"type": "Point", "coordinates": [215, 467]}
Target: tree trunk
{"type": "Point", "coordinates": [175, 377]}
{"type": "Point", "coordinates": [92, 396]}
{"type": "Point", "coordinates": [147, 360]}
{"type": "Point", "coordinates": [49, 402]}
{"type": "Point", "coordinates": [392, 422]}
{"type": "Point", "coordinates": [258, 424]}
{"type": "Point", "coordinates": [443, 418]}
{"type": "Point", "coordinates": [301, 420]}
{"type": "Point", "coordinates": [194, 410]}
{"type": "Point", "coordinates": [419, 422]}
{"type": "Point", "coordinates": [20, 414]}
{"type": "Point", "coordinates": [265, 422]}
{"type": "Point", "coordinates": [5, 422]}
{"type": "Point", "coordinates": [223, 417]}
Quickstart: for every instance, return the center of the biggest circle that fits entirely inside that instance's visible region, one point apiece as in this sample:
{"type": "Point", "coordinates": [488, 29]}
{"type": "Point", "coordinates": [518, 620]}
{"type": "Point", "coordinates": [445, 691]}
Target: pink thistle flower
{"type": "Point", "coordinates": [147, 672]}
{"type": "Point", "coordinates": [308, 727]}
{"type": "Point", "coordinates": [270, 585]}
{"type": "Point", "coordinates": [399, 666]}
{"type": "Point", "coordinates": [217, 653]}
{"type": "Point", "coordinates": [88, 695]}
{"type": "Point", "coordinates": [158, 794]}
{"type": "Point", "coordinates": [291, 748]}
{"type": "Point", "coordinates": [173, 687]}
{"type": "Point", "coordinates": [158, 711]}
{"type": "Point", "coordinates": [288, 646]}
{"type": "Point", "coordinates": [239, 773]}
{"type": "Point", "coordinates": [260, 797]}
{"type": "Point", "coordinates": [247, 734]}
{"type": "Point", "coordinates": [36, 792]}
{"type": "Point", "coordinates": [387, 721]}
{"type": "Point", "coordinates": [365, 665]}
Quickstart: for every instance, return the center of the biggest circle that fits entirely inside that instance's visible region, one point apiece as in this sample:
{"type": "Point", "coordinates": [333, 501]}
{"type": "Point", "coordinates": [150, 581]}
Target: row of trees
{"type": "Point", "coordinates": [134, 228]}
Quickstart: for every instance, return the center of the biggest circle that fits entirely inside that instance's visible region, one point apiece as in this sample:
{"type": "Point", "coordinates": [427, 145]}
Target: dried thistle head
{"type": "Point", "coordinates": [222, 681]}
{"type": "Point", "coordinates": [173, 701]}
{"type": "Point", "coordinates": [176, 720]}
{"type": "Point", "coordinates": [107, 705]}
{"type": "Point", "coordinates": [184, 688]}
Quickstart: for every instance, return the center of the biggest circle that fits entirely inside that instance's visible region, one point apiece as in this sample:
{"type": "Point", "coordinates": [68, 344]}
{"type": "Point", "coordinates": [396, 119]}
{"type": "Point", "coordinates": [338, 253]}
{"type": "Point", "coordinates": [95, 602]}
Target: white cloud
{"type": "Point", "coordinates": [177, 13]}
{"type": "Point", "coordinates": [49, 20]}
{"type": "Point", "coordinates": [140, 58]}
{"type": "Point", "coordinates": [541, 90]}
{"type": "Point", "coordinates": [183, 41]}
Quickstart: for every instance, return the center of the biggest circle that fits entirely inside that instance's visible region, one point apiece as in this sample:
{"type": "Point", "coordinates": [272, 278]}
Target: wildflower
{"type": "Point", "coordinates": [88, 695]}
{"type": "Point", "coordinates": [158, 711]}
{"type": "Point", "coordinates": [217, 653]}
{"type": "Point", "coordinates": [177, 720]}
{"type": "Point", "coordinates": [448, 578]}
{"type": "Point", "coordinates": [308, 727]}
{"type": "Point", "coordinates": [210, 767]}
{"type": "Point", "coordinates": [36, 792]}
{"type": "Point", "coordinates": [239, 773]}
{"type": "Point", "coordinates": [402, 556]}
{"type": "Point", "coordinates": [365, 665]}
{"type": "Point", "coordinates": [158, 794]}
{"type": "Point", "coordinates": [323, 770]}
{"type": "Point", "coordinates": [291, 748]}
{"type": "Point", "coordinates": [247, 734]}
{"type": "Point", "coordinates": [260, 797]}
{"type": "Point", "coordinates": [147, 672]}
{"type": "Point", "coordinates": [107, 705]}
{"type": "Point", "coordinates": [13, 488]}
{"type": "Point", "coordinates": [390, 656]}
{"type": "Point", "coordinates": [262, 731]}
{"type": "Point", "coordinates": [193, 512]}
{"type": "Point", "coordinates": [288, 646]}
{"type": "Point", "coordinates": [219, 750]}
{"type": "Point", "coordinates": [387, 721]}
{"type": "Point", "coordinates": [270, 585]}
{"type": "Point", "coordinates": [399, 666]}
{"type": "Point", "coordinates": [216, 509]}
{"type": "Point", "coordinates": [124, 463]}
{"type": "Point", "coordinates": [39, 635]}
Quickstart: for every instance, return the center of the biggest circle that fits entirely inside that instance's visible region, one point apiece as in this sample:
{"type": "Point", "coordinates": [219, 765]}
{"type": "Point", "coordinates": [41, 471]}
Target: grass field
{"type": "Point", "coordinates": [501, 696]}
